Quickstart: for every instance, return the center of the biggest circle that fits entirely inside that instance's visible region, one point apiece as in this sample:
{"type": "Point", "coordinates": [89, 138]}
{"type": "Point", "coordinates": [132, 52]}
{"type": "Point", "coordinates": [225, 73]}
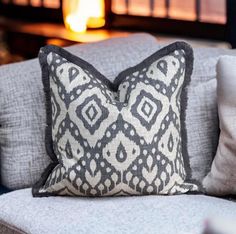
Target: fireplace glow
{"type": "Point", "coordinates": [80, 14]}
{"type": "Point", "coordinates": [212, 11]}
{"type": "Point", "coordinates": [96, 10]}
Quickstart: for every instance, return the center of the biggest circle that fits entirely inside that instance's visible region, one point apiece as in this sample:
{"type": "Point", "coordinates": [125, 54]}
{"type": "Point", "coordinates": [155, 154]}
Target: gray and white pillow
{"type": "Point", "coordinates": [22, 106]}
{"type": "Point", "coordinates": [121, 138]}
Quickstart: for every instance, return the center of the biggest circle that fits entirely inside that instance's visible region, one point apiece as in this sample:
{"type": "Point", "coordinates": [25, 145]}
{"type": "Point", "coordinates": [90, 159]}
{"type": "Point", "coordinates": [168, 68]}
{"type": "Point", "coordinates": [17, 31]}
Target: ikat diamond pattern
{"type": "Point", "coordinates": [116, 139]}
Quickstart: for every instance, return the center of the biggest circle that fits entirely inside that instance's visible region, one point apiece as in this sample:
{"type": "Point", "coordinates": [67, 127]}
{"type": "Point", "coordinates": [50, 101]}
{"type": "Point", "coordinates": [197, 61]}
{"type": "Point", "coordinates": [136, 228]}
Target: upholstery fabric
{"type": "Point", "coordinates": [180, 214]}
{"type": "Point", "coordinates": [222, 178]}
{"type": "Point", "coordinates": [22, 105]}
{"type": "Point", "coordinates": [202, 126]}
{"type": "Point", "coordinates": [201, 115]}
{"type": "Point", "coordinates": [120, 138]}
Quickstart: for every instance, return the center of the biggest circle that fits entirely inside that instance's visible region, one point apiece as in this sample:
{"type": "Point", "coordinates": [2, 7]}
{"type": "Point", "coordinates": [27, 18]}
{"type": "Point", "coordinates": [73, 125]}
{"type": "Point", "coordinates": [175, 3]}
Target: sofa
{"type": "Point", "coordinates": [181, 214]}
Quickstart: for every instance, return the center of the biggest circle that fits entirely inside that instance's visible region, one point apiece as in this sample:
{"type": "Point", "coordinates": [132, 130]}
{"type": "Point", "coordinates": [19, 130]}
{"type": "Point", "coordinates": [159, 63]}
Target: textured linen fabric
{"type": "Point", "coordinates": [202, 125]}
{"type": "Point", "coordinates": [222, 178]}
{"type": "Point", "coordinates": [120, 138]}
{"type": "Point", "coordinates": [22, 105]}
{"type": "Point", "coordinates": [201, 115]}
{"type": "Point", "coordinates": [182, 214]}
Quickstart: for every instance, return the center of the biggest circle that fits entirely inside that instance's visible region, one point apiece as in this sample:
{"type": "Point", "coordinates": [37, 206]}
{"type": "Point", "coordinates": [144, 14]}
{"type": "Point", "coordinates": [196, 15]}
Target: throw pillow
{"type": "Point", "coordinates": [222, 178]}
{"type": "Point", "coordinates": [126, 137]}
{"type": "Point", "coordinates": [22, 105]}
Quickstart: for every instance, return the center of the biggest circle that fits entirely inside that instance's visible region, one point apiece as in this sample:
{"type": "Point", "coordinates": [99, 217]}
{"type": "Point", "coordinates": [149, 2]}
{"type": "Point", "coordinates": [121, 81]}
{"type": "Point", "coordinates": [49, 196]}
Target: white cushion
{"type": "Point", "coordinates": [180, 214]}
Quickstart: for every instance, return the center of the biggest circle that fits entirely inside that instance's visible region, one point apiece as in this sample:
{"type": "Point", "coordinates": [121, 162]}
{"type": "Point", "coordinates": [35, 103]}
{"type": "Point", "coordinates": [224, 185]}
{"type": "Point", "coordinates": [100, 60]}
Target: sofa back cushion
{"type": "Point", "coordinates": [201, 115]}
{"type": "Point", "coordinates": [222, 178]}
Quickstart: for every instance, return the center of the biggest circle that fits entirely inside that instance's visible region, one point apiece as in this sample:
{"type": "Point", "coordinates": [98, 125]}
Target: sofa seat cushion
{"type": "Point", "coordinates": [149, 214]}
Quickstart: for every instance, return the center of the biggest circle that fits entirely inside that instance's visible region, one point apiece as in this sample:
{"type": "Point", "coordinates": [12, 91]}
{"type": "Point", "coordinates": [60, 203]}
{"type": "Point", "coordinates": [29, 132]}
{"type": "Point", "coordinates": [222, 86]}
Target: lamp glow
{"type": "Point", "coordinates": [80, 14]}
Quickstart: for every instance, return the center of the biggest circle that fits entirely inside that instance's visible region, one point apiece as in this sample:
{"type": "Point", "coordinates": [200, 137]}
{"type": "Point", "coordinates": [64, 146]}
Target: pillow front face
{"type": "Point", "coordinates": [22, 106]}
{"type": "Point", "coordinates": [121, 138]}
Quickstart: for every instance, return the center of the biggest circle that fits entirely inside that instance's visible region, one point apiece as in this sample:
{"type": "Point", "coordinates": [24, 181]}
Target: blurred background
{"type": "Point", "coordinates": [26, 25]}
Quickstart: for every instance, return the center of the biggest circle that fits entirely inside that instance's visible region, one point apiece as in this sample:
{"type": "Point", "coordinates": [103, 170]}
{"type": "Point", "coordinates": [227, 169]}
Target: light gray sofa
{"type": "Point", "coordinates": [181, 214]}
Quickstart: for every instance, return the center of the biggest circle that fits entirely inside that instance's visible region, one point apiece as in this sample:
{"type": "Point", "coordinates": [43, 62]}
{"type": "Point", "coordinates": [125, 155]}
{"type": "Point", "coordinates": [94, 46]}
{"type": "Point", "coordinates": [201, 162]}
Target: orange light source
{"type": "Point", "coordinates": [80, 14]}
{"type": "Point", "coordinates": [96, 13]}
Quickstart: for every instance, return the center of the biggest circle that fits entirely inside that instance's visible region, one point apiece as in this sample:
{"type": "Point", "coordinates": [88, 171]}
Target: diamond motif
{"type": "Point", "coordinates": [92, 113]}
{"type": "Point", "coordinates": [146, 109]}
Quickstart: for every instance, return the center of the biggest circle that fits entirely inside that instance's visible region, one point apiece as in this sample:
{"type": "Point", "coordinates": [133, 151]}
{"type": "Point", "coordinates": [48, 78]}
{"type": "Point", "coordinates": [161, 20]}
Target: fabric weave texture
{"type": "Point", "coordinates": [147, 214]}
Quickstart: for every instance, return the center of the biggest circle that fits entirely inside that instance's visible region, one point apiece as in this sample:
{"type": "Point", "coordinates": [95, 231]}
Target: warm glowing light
{"type": "Point", "coordinates": [78, 14]}
{"type": "Point", "coordinates": [36, 3]}
{"type": "Point", "coordinates": [119, 7]}
{"type": "Point", "coordinates": [75, 23]}
{"type": "Point", "coordinates": [75, 15]}
{"type": "Point", "coordinates": [21, 2]}
{"type": "Point", "coordinates": [51, 3]}
{"type": "Point", "coordinates": [183, 11]}
{"type": "Point", "coordinates": [139, 7]}
{"type": "Point", "coordinates": [96, 11]}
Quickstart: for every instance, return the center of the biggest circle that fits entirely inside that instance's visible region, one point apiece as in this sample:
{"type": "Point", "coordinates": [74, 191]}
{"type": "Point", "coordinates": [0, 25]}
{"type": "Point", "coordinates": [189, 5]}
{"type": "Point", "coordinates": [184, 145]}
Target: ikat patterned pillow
{"type": "Point", "coordinates": [121, 138]}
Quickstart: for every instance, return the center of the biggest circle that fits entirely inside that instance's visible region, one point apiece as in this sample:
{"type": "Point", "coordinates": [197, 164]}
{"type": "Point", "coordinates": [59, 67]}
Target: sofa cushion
{"type": "Point", "coordinates": [120, 138]}
{"type": "Point", "coordinates": [22, 106]}
{"type": "Point", "coordinates": [222, 178]}
{"type": "Point", "coordinates": [202, 127]}
{"type": "Point", "coordinates": [201, 114]}
{"type": "Point", "coordinates": [147, 214]}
